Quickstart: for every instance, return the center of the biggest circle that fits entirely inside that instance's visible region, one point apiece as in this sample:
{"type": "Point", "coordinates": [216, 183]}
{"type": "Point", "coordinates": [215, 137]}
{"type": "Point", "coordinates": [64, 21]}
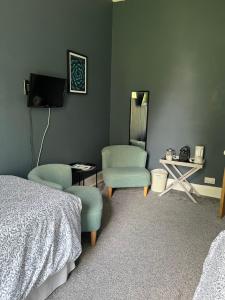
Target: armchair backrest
{"type": "Point", "coordinates": [123, 156]}
{"type": "Point", "coordinates": [59, 174]}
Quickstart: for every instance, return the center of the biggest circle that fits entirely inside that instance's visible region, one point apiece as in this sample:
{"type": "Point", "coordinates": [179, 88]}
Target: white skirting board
{"type": "Point", "coordinates": [204, 190]}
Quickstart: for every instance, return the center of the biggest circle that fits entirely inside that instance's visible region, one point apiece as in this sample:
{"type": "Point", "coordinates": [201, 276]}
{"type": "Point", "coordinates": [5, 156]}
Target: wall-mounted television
{"type": "Point", "coordinates": [45, 91]}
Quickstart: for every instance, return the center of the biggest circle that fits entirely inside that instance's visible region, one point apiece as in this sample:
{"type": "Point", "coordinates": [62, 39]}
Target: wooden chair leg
{"type": "Point", "coordinates": [93, 238]}
{"type": "Point", "coordinates": [145, 191]}
{"type": "Point", "coordinates": [222, 200]}
{"type": "Point", "coordinates": [110, 192]}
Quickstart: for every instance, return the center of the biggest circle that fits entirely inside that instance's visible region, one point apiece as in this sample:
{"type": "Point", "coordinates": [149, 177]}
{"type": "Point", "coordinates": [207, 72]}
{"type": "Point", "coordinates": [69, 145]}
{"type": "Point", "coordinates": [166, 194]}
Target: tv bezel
{"type": "Point", "coordinates": [29, 102]}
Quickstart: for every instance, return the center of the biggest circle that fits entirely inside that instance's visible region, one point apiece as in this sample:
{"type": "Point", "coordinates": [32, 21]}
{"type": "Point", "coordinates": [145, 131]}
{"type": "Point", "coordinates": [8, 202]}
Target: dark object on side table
{"type": "Point", "coordinates": [80, 174]}
{"type": "Point", "coordinates": [185, 154]}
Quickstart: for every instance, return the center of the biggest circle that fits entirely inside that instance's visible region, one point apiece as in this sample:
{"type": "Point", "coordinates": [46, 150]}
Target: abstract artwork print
{"type": "Point", "coordinates": [77, 73]}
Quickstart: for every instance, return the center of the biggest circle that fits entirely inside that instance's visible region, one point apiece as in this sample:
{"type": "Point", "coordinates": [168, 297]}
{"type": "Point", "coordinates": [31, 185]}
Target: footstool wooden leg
{"type": "Point", "coordinates": [222, 200]}
{"type": "Point", "coordinates": [93, 238]}
{"type": "Point", "coordinates": [110, 192]}
{"type": "Point", "coordinates": [145, 191]}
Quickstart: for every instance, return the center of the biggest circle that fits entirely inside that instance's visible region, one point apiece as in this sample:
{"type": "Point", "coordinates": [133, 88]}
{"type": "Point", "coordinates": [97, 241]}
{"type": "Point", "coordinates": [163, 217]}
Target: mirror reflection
{"type": "Point", "coordinates": [139, 118]}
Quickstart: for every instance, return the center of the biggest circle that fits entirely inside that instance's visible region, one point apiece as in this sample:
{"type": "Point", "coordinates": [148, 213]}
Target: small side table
{"type": "Point", "coordinates": [82, 174]}
{"type": "Point", "coordinates": [181, 178]}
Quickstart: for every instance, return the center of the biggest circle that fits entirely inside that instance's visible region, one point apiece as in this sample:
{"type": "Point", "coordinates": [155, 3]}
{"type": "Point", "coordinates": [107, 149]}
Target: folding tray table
{"type": "Point", "coordinates": [181, 179]}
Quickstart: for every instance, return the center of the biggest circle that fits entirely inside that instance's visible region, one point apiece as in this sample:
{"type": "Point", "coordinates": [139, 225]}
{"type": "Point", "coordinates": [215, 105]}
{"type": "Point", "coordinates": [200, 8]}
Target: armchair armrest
{"type": "Point", "coordinates": [37, 179]}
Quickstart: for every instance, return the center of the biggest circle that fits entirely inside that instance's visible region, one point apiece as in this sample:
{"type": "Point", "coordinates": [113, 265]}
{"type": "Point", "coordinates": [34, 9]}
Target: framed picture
{"type": "Point", "coordinates": [76, 73]}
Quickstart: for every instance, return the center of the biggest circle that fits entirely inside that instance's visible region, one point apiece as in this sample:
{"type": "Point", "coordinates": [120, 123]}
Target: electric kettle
{"type": "Point", "coordinates": [199, 153]}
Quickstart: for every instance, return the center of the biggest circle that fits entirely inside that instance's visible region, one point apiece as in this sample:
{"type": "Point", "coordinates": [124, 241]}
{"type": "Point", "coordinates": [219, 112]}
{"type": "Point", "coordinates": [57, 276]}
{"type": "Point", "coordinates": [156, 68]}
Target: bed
{"type": "Point", "coordinates": [212, 281]}
{"type": "Point", "coordinates": [39, 238]}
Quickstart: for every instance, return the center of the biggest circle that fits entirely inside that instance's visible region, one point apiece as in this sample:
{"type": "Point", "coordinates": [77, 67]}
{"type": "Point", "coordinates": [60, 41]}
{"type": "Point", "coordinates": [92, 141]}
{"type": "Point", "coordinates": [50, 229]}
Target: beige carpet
{"type": "Point", "coordinates": [148, 248]}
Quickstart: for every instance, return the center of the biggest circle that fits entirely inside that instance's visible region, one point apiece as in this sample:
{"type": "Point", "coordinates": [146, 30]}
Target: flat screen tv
{"type": "Point", "coordinates": [46, 91]}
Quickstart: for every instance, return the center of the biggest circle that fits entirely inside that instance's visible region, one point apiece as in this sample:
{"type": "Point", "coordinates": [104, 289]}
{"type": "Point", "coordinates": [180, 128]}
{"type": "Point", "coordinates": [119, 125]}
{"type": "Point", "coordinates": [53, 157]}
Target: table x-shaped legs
{"type": "Point", "coordinates": [181, 180]}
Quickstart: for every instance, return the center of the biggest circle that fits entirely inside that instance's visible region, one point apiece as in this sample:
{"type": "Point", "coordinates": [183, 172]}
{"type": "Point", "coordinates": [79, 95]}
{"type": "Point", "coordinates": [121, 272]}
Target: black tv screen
{"type": "Point", "coordinates": [46, 91]}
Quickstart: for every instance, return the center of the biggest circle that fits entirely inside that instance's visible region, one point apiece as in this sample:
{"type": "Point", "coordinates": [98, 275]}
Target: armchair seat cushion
{"type": "Point", "coordinates": [126, 177]}
{"type": "Point", "coordinates": [92, 204]}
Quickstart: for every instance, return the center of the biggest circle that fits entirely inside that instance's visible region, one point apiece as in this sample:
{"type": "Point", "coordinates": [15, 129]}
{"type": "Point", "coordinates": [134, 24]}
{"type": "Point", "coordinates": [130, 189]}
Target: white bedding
{"type": "Point", "coordinates": [212, 282]}
{"type": "Point", "coordinates": [39, 234]}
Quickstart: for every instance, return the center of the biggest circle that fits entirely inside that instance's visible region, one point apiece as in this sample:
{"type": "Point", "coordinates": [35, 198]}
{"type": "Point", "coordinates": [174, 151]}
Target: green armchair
{"type": "Point", "coordinates": [59, 176]}
{"type": "Point", "coordinates": [124, 166]}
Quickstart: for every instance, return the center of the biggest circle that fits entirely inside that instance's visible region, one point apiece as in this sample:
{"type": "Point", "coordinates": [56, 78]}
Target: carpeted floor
{"type": "Point", "coordinates": [148, 248]}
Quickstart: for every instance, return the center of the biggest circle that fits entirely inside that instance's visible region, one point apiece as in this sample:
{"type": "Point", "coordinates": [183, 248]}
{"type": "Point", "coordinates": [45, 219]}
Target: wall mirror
{"type": "Point", "coordinates": [139, 118]}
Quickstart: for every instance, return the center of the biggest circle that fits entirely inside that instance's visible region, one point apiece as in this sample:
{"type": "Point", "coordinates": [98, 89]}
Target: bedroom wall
{"type": "Point", "coordinates": [34, 38]}
{"type": "Point", "coordinates": [176, 50]}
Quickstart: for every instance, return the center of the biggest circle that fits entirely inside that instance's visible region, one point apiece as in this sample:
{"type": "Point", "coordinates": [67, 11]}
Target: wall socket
{"type": "Point", "coordinates": [209, 180]}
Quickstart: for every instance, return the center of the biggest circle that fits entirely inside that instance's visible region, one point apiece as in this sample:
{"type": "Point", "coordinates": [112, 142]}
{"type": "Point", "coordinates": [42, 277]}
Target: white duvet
{"type": "Point", "coordinates": [212, 282]}
{"type": "Point", "coordinates": [39, 233]}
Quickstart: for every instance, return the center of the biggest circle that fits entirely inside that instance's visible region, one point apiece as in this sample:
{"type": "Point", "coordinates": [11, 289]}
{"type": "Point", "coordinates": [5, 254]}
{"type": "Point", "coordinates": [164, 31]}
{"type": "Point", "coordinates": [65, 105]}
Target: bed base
{"type": "Point", "coordinates": [51, 283]}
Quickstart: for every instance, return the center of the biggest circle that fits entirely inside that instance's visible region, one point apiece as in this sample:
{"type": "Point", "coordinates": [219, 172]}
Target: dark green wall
{"type": "Point", "coordinates": [34, 37]}
{"type": "Point", "coordinates": [176, 50]}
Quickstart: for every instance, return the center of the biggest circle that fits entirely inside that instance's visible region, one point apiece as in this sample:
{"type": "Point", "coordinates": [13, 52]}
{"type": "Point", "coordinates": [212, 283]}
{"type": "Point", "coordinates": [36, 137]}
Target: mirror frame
{"type": "Point", "coordinates": [146, 128]}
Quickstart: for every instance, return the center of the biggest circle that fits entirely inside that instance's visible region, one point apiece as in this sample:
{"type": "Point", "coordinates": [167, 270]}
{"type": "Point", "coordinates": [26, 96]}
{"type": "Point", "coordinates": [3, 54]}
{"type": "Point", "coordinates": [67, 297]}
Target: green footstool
{"type": "Point", "coordinates": [91, 208]}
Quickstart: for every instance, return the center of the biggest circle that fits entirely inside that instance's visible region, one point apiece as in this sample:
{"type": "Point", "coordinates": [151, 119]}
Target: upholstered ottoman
{"type": "Point", "coordinates": [91, 208]}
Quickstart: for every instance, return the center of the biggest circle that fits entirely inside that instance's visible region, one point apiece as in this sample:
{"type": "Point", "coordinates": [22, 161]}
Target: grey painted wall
{"type": "Point", "coordinates": [34, 38]}
{"type": "Point", "coordinates": [175, 49]}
